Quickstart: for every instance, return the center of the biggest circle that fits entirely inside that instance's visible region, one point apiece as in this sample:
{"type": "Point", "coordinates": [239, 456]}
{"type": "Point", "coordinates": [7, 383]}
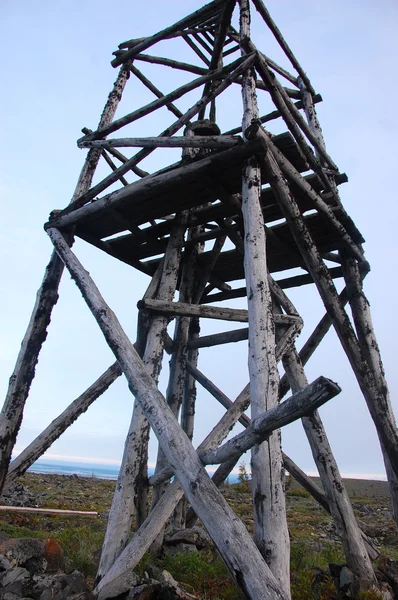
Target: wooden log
{"type": "Point", "coordinates": [202, 141]}
{"type": "Point", "coordinates": [270, 525]}
{"type": "Point", "coordinates": [375, 397]}
{"type": "Point", "coordinates": [112, 165]}
{"type": "Point", "coordinates": [312, 343]}
{"type": "Point", "coordinates": [177, 378]}
{"type": "Point", "coordinates": [279, 100]}
{"type": "Point", "coordinates": [43, 441]}
{"type": "Point", "coordinates": [194, 310]}
{"type": "Point", "coordinates": [49, 511]}
{"type": "Point", "coordinates": [174, 64]}
{"type": "Point", "coordinates": [133, 472]}
{"type": "Point", "coordinates": [234, 413]}
{"type": "Point", "coordinates": [295, 177]}
{"type": "Point", "coordinates": [198, 282]}
{"type": "Point", "coordinates": [160, 513]}
{"type": "Point", "coordinates": [156, 104]}
{"type": "Point", "coordinates": [235, 545]}
{"type": "Point", "coordinates": [171, 107]}
{"type": "Point", "coordinates": [201, 310]}
{"type": "Point", "coordinates": [358, 560]}
{"type": "Point", "coordinates": [197, 50]}
{"type": "Point", "coordinates": [218, 46]}
{"type": "Point", "coordinates": [360, 309]}
{"type": "Point", "coordinates": [275, 114]}
{"type": "Point", "coordinates": [301, 403]}
{"type": "Point", "coordinates": [102, 185]}
{"type": "Point", "coordinates": [205, 11]}
{"type": "Point", "coordinates": [281, 41]}
{"type": "Point", "coordinates": [227, 337]}
{"type": "Point", "coordinates": [46, 298]}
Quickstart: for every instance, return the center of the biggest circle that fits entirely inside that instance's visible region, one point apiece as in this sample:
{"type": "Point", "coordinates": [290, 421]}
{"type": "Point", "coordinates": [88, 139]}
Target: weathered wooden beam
{"type": "Point", "coordinates": [360, 309]}
{"type": "Point", "coordinates": [197, 50]}
{"type": "Point", "coordinates": [43, 441]}
{"type": "Point", "coordinates": [218, 45]}
{"type": "Point", "coordinates": [176, 387]}
{"type": "Point", "coordinates": [375, 396]}
{"type": "Point", "coordinates": [133, 161]}
{"type": "Point", "coordinates": [155, 104]}
{"type": "Point", "coordinates": [174, 64]}
{"type": "Point", "coordinates": [119, 574]}
{"type": "Point", "coordinates": [312, 343]}
{"type": "Point", "coordinates": [234, 543]}
{"type": "Point", "coordinates": [339, 503]}
{"type": "Point", "coordinates": [281, 41]}
{"type": "Point", "coordinates": [194, 310]}
{"type": "Point", "coordinates": [303, 402]}
{"type": "Point", "coordinates": [49, 511]}
{"type": "Point", "coordinates": [291, 173]}
{"type": "Point", "coordinates": [216, 339]}
{"type": "Point", "coordinates": [148, 84]}
{"type": "Point", "coordinates": [133, 472]}
{"type": "Point", "coordinates": [46, 298]}
{"type": "Point", "coordinates": [209, 312]}
{"type": "Point", "coordinates": [275, 114]}
{"type": "Point", "coordinates": [202, 141]}
{"type": "Point", "coordinates": [270, 525]}
{"type": "Point", "coordinates": [270, 529]}
{"type": "Point", "coordinates": [192, 19]}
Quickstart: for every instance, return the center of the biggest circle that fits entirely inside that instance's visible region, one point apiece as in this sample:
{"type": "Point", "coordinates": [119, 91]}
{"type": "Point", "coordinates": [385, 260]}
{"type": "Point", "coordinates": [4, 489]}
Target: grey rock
{"type": "Point", "coordinates": [346, 579]}
{"type": "Point", "coordinates": [195, 535]}
{"type": "Point", "coordinates": [19, 495]}
{"type": "Point", "coordinates": [5, 564]}
{"type": "Point", "coordinates": [181, 548]}
{"type": "Point", "coordinates": [26, 552]}
{"type": "Point", "coordinates": [14, 575]}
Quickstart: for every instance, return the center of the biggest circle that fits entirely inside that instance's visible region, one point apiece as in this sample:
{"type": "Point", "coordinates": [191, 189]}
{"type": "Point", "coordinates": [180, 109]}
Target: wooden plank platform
{"type": "Point", "coordinates": [205, 186]}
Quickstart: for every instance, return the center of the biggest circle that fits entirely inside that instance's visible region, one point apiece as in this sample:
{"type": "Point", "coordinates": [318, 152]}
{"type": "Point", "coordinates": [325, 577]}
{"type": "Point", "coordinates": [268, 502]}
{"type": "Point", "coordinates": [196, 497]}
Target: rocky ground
{"type": "Point", "coordinates": [51, 557]}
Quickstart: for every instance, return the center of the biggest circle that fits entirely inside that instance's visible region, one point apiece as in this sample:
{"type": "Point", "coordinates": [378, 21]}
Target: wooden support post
{"type": "Point", "coordinates": [281, 41]}
{"type": "Point", "coordinates": [270, 525]}
{"type": "Point", "coordinates": [176, 389]}
{"type": "Point", "coordinates": [234, 70]}
{"type": "Point", "coordinates": [312, 343]}
{"type": "Point", "coordinates": [209, 141]}
{"type": "Point", "coordinates": [118, 575]}
{"type": "Point", "coordinates": [192, 19]}
{"type": "Point", "coordinates": [40, 444]}
{"type": "Point", "coordinates": [46, 298]}
{"type": "Point", "coordinates": [234, 543]}
{"type": "Point", "coordinates": [304, 401]}
{"type": "Point", "coordinates": [339, 503]}
{"type": "Point", "coordinates": [171, 107]}
{"type": "Point", "coordinates": [376, 397]}
{"type": "Point", "coordinates": [132, 478]}
{"type": "Point", "coordinates": [367, 339]}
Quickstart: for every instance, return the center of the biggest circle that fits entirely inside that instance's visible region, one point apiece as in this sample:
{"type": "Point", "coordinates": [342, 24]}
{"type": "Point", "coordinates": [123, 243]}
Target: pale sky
{"type": "Point", "coordinates": [56, 76]}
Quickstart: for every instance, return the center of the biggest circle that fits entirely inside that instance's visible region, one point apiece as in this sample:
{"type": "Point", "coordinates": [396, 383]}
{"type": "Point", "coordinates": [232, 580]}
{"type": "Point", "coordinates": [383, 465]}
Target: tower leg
{"type": "Point", "coordinates": [47, 296]}
{"type": "Point", "coordinates": [135, 457]}
{"type": "Point", "coordinates": [234, 543]}
{"type": "Point", "coordinates": [270, 525]}
{"type": "Point", "coordinates": [339, 503]}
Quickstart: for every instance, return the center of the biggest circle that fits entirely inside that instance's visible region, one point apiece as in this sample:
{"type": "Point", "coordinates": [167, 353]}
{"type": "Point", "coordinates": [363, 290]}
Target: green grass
{"type": "Point", "coordinates": [202, 574]}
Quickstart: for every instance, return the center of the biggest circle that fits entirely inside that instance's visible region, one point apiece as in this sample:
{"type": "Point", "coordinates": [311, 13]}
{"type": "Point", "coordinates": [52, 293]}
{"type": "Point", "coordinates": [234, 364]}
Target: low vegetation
{"type": "Point", "coordinates": [314, 544]}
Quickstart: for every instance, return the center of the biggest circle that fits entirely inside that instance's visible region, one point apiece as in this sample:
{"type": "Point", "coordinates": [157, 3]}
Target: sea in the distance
{"type": "Point", "coordinates": [101, 471]}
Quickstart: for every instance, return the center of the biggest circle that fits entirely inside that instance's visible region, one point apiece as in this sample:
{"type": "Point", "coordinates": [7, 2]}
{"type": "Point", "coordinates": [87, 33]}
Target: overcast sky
{"type": "Point", "coordinates": [56, 76]}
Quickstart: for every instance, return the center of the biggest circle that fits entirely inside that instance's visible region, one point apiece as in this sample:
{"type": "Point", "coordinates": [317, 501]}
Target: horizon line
{"type": "Point", "coordinates": [210, 468]}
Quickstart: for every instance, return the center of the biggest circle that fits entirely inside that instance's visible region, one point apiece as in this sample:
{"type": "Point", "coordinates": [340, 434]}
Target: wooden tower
{"type": "Point", "coordinates": [239, 207]}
